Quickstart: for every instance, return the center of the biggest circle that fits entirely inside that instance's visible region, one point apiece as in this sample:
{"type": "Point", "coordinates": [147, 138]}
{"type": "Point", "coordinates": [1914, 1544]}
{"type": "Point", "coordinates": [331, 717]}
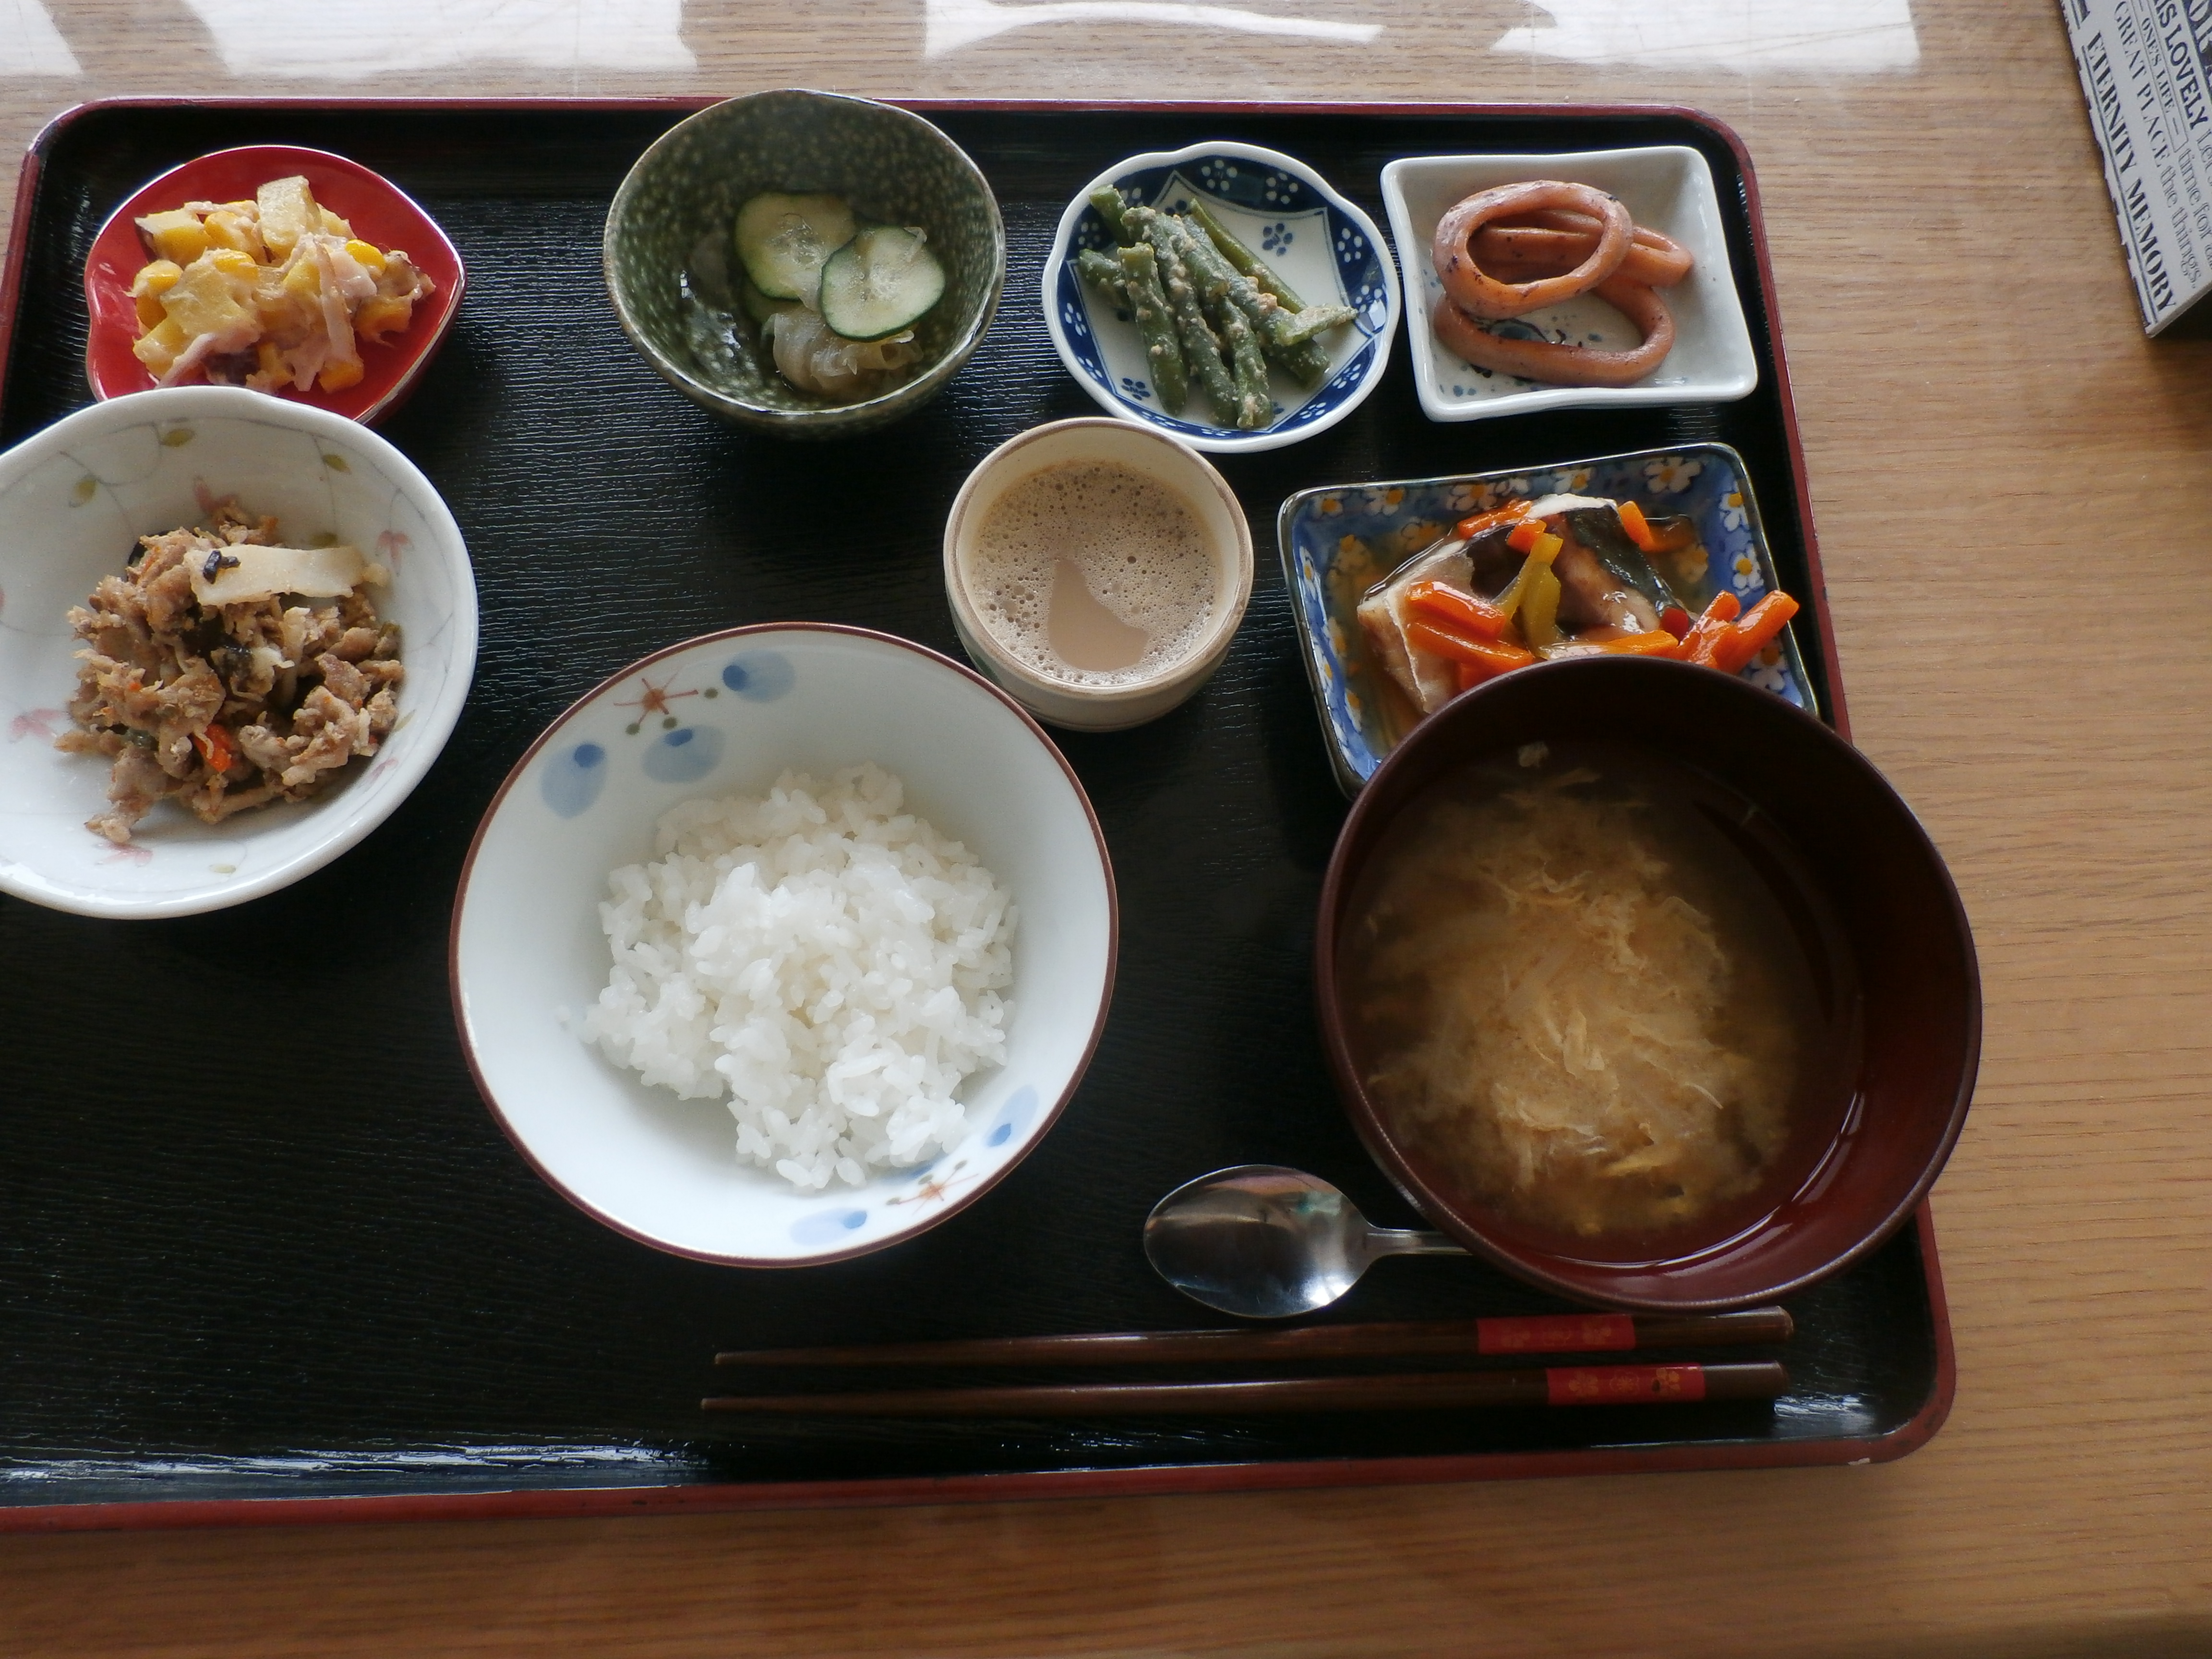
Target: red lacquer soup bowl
{"type": "Point", "coordinates": [378, 210]}
{"type": "Point", "coordinates": [1890, 1035]}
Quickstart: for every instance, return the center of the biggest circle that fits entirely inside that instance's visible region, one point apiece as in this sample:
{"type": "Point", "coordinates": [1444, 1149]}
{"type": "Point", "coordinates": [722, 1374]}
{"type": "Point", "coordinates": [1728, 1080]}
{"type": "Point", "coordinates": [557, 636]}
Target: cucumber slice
{"type": "Point", "coordinates": [880, 282]}
{"type": "Point", "coordinates": [783, 240]}
{"type": "Point", "coordinates": [758, 306]}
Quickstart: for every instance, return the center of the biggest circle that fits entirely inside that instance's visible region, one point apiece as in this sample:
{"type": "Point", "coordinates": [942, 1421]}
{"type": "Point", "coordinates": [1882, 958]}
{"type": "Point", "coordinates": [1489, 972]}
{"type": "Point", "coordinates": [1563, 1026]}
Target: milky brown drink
{"type": "Point", "coordinates": [1093, 573]}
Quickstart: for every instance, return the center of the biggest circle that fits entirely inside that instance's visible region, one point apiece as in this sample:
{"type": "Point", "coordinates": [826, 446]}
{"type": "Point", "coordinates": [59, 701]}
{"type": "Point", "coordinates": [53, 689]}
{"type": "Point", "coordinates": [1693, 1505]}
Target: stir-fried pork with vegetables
{"type": "Point", "coordinates": [224, 670]}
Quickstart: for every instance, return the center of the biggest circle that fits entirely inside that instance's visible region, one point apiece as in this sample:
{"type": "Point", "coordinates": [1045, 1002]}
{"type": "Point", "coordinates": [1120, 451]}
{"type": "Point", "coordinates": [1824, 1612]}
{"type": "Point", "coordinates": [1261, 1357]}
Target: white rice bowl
{"type": "Point", "coordinates": [822, 959]}
{"type": "Point", "coordinates": [723, 716]}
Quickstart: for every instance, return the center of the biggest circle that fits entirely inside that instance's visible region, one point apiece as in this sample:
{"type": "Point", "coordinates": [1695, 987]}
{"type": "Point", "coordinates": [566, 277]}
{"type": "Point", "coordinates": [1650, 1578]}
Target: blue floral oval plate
{"type": "Point", "coordinates": [1339, 540]}
{"type": "Point", "coordinates": [1327, 249]}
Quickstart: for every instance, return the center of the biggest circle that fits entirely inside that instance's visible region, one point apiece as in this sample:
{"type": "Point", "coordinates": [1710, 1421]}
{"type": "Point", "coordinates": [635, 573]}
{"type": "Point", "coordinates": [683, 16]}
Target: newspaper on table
{"type": "Point", "coordinates": [2147, 69]}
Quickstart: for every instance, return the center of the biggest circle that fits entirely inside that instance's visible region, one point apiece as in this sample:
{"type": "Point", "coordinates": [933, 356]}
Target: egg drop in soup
{"type": "Point", "coordinates": [1587, 991]}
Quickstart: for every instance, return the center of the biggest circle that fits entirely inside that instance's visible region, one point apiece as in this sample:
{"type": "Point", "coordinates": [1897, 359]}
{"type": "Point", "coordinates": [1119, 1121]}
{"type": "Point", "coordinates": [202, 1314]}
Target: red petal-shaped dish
{"type": "Point", "coordinates": [378, 211]}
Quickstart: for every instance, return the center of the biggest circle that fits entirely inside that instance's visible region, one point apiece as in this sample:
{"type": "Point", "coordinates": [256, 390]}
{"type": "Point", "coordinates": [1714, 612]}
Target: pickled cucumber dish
{"type": "Point", "coordinates": [829, 298]}
{"type": "Point", "coordinates": [273, 293]}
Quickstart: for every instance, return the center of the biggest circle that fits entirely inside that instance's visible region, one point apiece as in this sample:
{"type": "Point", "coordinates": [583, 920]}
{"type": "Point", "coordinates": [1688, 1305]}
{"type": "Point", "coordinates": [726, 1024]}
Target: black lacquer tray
{"type": "Point", "coordinates": [258, 1239]}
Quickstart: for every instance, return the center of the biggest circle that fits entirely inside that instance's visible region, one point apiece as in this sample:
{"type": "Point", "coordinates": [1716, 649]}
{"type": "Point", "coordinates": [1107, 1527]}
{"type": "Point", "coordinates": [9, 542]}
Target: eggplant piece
{"type": "Point", "coordinates": [1600, 531]}
{"type": "Point", "coordinates": [1493, 562]}
{"type": "Point", "coordinates": [1593, 600]}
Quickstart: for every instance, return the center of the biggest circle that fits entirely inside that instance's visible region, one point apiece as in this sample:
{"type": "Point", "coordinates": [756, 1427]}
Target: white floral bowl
{"type": "Point", "coordinates": [723, 715]}
{"type": "Point", "coordinates": [74, 499]}
{"type": "Point", "coordinates": [1320, 243]}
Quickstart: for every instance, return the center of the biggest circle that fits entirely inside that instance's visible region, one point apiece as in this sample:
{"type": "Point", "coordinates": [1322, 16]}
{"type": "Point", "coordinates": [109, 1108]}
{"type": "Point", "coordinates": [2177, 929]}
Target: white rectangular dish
{"type": "Point", "coordinates": [1667, 188]}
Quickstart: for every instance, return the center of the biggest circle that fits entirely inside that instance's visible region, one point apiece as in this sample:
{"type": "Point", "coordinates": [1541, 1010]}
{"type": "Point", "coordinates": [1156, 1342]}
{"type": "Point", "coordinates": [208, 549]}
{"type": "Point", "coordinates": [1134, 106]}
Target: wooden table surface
{"type": "Point", "coordinates": [2012, 491]}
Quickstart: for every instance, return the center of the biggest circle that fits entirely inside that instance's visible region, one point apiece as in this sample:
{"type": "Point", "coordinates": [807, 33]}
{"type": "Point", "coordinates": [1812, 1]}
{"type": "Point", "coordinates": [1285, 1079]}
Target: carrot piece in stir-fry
{"type": "Point", "coordinates": [216, 748]}
{"type": "Point", "coordinates": [1698, 643]}
{"type": "Point", "coordinates": [1638, 528]}
{"type": "Point", "coordinates": [1745, 639]}
{"type": "Point", "coordinates": [1440, 639]}
{"type": "Point", "coordinates": [1656, 643]}
{"type": "Point", "coordinates": [1464, 610]}
{"type": "Point", "coordinates": [1483, 523]}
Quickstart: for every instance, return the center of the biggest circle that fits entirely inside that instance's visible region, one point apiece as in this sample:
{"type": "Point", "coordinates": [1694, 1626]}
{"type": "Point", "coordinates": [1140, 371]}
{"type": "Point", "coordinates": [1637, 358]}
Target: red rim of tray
{"type": "Point", "coordinates": [378, 211]}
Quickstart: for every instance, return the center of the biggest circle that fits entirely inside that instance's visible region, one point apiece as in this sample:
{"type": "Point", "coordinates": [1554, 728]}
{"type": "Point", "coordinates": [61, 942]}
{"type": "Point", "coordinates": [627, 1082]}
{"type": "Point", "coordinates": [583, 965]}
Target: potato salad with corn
{"type": "Point", "coordinates": [272, 293]}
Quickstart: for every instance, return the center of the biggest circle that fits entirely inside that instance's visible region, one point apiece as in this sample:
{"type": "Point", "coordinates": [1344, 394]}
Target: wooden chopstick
{"type": "Point", "coordinates": [1558, 1385]}
{"type": "Point", "coordinates": [1537, 1333]}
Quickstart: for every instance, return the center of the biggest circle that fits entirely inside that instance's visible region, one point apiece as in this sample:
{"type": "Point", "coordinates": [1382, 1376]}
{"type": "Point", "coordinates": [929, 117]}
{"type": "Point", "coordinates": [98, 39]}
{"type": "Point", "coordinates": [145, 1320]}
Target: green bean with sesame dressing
{"type": "Point", "coordinates": [1297, 327]}
{"type": "Point", "coordinates": [1244, 260]}
{"type": "Point", "coordinates": [1102, 274]}
{"type": "Point", "coordinates": [1156, 327]}
{"type": "Point", "coordinates": [1305, 321]}
{"type": "Point", "coordinates": [1253, 403]}
{"type": "Point", "coordinates": [1201, 350]}
{"type": "Point", "coordinates": [1220, 284]}
{"type": "Point", "coordinates": [1218, 311]}
{"type": "Point", "coordinates": [1107, 201]}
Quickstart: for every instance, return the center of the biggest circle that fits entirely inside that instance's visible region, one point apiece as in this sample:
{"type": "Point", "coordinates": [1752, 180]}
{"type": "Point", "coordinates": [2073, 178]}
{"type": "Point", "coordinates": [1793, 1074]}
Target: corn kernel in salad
{"type": "Point", "coordinates": [270, 293]}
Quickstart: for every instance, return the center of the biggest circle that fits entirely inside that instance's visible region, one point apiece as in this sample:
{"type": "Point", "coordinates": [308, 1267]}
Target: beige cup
{"type": "Point", "coordinates": [1221, 519]}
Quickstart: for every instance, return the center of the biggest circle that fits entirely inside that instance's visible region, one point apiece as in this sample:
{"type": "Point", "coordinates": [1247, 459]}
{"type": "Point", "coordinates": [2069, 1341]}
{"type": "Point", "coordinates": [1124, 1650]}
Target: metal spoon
{"type": "Point", "coordinates": [1261, 1242]}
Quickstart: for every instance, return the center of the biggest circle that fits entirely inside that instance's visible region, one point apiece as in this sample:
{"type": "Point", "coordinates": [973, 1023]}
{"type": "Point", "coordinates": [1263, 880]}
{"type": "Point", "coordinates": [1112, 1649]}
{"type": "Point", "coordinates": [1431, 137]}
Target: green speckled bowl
{"type": "Point", "coordinates": [669, 259]}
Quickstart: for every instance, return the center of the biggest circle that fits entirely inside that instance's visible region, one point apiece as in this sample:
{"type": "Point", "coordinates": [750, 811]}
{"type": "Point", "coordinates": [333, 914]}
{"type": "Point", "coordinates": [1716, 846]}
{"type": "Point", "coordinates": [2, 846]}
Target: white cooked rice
{"type": "Point", "coordinates": [822, 958]}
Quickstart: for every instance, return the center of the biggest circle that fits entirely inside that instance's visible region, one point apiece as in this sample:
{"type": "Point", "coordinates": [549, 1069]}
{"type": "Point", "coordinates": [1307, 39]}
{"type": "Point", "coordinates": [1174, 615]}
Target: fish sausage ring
{"type": "Point", "coordinates": [1547, 243]}
{"type": "Point", "coordinates": [1566, 365]}
{"type": "Point", "coordinates": [1483, 295]}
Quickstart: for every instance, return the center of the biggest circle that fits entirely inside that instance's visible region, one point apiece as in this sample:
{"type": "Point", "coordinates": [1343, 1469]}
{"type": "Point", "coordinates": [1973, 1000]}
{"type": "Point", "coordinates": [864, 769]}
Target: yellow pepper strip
{"type": "Point", "coordinates": [1542, 549]}
{"type": "Point", "coordinates": [1539, 605]}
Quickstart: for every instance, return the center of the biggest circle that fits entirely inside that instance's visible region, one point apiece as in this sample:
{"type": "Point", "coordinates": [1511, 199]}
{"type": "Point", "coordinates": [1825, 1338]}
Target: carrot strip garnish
{"type": "Point", "coordinates": [1483, 523]}
{"type": "Point", "coordinates": [1639, 531]}
{"type": "Point", "coordinates": [1656, 643]}
{"type": "Point", "coordinates": [1441, 640]}
{"type": "Point", "coordinates": [216, 749]}
{"type": "Point", "coordinates": [1463, 610]}
{"type": "Point", "coordinates": [1743, 640]}
{"type": "Point", "coordinates": [1698, 643]}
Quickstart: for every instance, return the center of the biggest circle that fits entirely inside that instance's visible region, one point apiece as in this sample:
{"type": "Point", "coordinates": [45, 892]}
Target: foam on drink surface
{"type": "Point", "coordinates": [1093, 573]}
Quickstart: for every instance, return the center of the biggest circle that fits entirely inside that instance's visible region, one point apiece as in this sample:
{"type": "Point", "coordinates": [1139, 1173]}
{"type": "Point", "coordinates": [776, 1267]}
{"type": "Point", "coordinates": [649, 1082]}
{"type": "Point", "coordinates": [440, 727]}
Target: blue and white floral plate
{"type": "Point", "coordinates": [1321, 244]}
{"type": "Point", "coordinates": [723, 715]}
{"type": "Point", "coordinates": [1339, 541]}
